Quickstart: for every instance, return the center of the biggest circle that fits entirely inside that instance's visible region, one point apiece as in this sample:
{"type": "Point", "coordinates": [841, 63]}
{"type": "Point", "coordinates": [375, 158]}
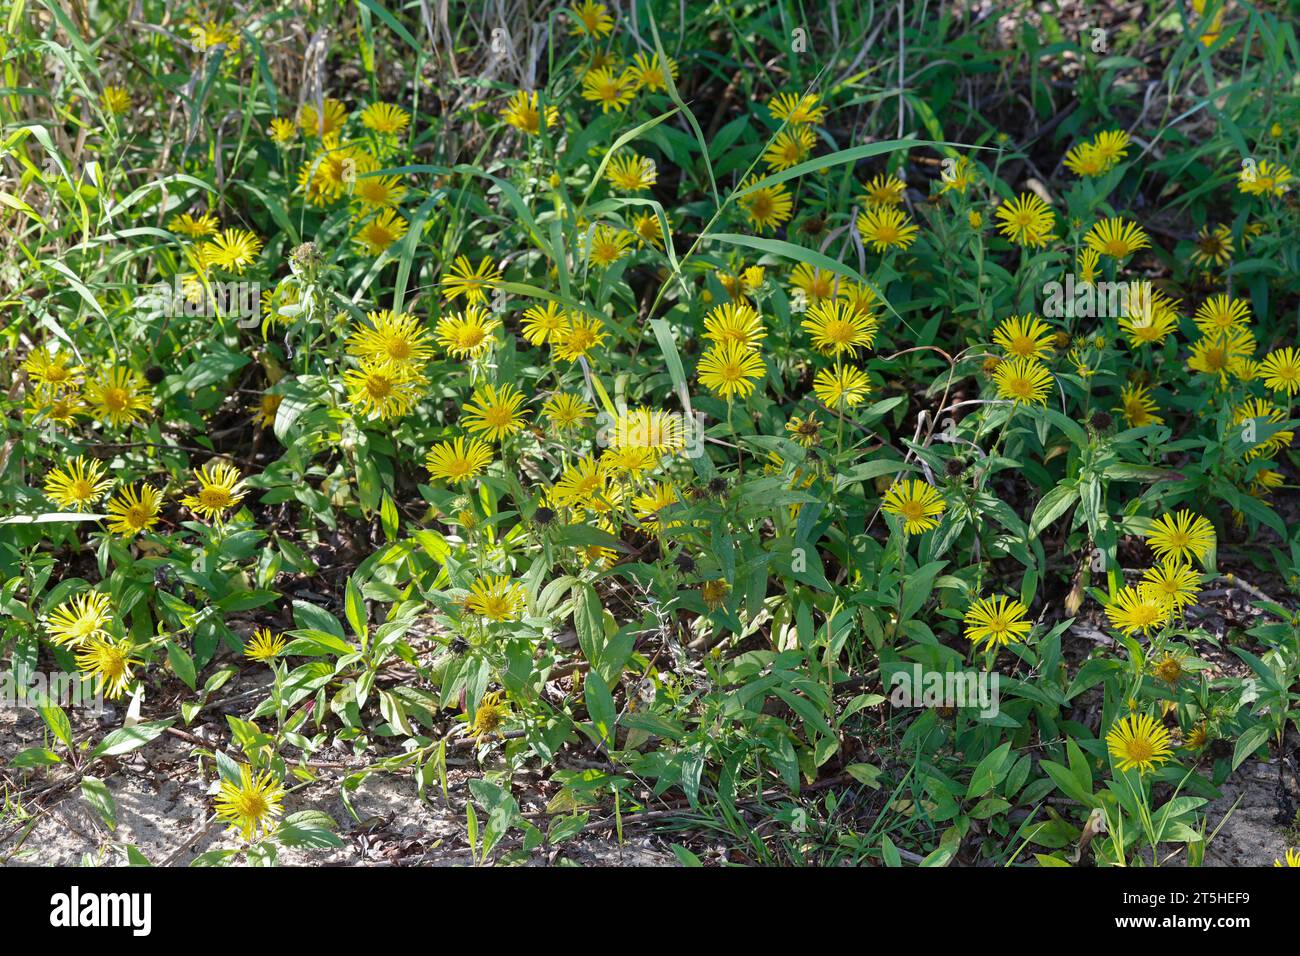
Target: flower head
{"type": "Point", "coordinates": [494, 413]}
{"type": "Point", "coordinates": [842, 386]}
{"type": "Point", "coordinates": [119, 396]}
{"type": "Point", "coordinates": [220, 489]}
{"type": "Point", "coordinates": [264, 645]}
{"type": "Point", "coordinates": [1022, 381]}
{"type": "Point", "coordinates": [1137, 741]}
{"type": "Point", "coordinates": [1026, 220]}
{"type": "Point", "coordinates": [496, 597]}
{"type": "Point", "coordinates": [390, 337]}
{"type": "Point", "coordinates": [79, 619]}
{"type": "Point", "coordinates": [253, 805]}
{"type": "Point", "coordinates": [78, 484]}
{"type": "Point", "coordinates": [466, 334]}
{"type": "Point", "coordinates": [883, 227]}
{"type": "Point", "coordinates": [109, 661]}
{"type": "Point", "coordinates": [1281, 370]}
{"type": "Point", "coordinates": [730, 369]}
{"type": "Point", "coordinates": [455, 461]}
{"type": "Point", "coordinates": [916, 504]}
{"type": "Point", "coordinates": [1027, 337]}
{"type": "Point", "coordinates": [470, 281]}
{"type": "Point", "coordinates": [131, 511]}
{"type": "Point", "coordinates": [996, 621]}
{"type": "Point", "coordinates": [1184, 535]}
{"type": "Point", "coordinates": [381, 389]}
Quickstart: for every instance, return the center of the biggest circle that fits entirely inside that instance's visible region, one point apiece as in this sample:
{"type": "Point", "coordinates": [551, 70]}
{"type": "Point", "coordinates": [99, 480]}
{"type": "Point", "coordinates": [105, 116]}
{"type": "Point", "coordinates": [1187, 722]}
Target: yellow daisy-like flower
{"type": "Point", "coordinates": [649, 504]}
{"type": "Point", "coordinates": [1148, 318]}
{"type": "Point", "coordinates": [1089, 266]}
{"type": "Point", "coordinates": [1085, 160]}
{"type": "Point", "coordinates": [196, 227]}
{"type": "Point", "coordinates": [1112, 146]}
{"type": "Point", "coordinates": [579, 335]}
{"type": "Point", "coordinates": [884, 191]}
{"type": "Point", "coordinates": [119, 397]}
{"type": "Point", "coordinates": [524, 114]}
{"type": "Point", "coordinates": [996, 622]}
{"type": "Point", "coordinates": [648, 72]}
{"type": "Point", "coordinates": [380, 232]}
{"type": "Point", "coordinates": [653, 428]}
{"type": "Point", "coordinates": [220, 489]}
{"type": "Point", "coordinates": [494, 413]}
{"type": "Point", "coordinates": [489, 716]}
{"type": "Point", "coordinates": [1026, 220]}
{"type": "Point", "coordinates": [566, 411]}
{"type": "Point", "coordinates": [1281, 370]}
{"type": "Point", "coordinates": [1026, 337]}
{"type": "Point", "coordinates": [131, 511]}
{"type": "Point", "coordinates": [381, 389]}
{"type": "Point", "coordinates": [842, 386]}
{"type": "Point", "coordinates": [767, 207]}
{"type": "Point", "coordinates": [78, 484]}
{"type": "Point", "coordinates": [606, 245]}
{"type": "Point", "coordinates": [1220, 313]}
{"type": "Point", "coordinates": [1292, 858]}
{"type": "Point", "coordinates": [541, 323]}
{"type": "Point", "coordinates": [730, 369]}
{"type": "Point", "coordinates": [466, 334]}
{"type": "Point", "coordinates": [1264, 178]}
{"type": "Point", "coordinates": [469, 281]}
{"type": "Point", "coordinates": [1215, 355]}
{"type": "Point", "coordinates": [51, 369]}
{"type": "Point", "coordinates": [377, 192]}
{"type": "Point", "coordinates": [264, 645]}
{"type": "Point", "coordinates": [455, 461]}
{"type": "Point", "coordinates": [581, 485]}
{"type": "Point", "coordinates": [814, 284]}
{"type": "Point", "coordinates": [793, 108]}
{"type": "Point", "coordinates": [789, 147]}
{"type": "Point", "coordinates": [734, 321]}
{"type": "Point", "coordinates": [1262, 408]}
{"type": "Point", "coordinates": [322, 122]}
{"type": "Point", "coordinates": [395, 337]}
{"type": "Point", "coordinates": [648, 230]}
{"type": "Point", "coordinates": [385, 119]}
{"type": "Point", "coordinates": [883, 227]}
{"type": "Point", "coordinates": [1138, 407]}
{"type": "Point", "coordinates": [632, 461]}
{"type": "Point", "coordinates": [1116, 238]}
{"type": "Point", "coordinates": [957, 176]}
{"type": "Point", "coordinates": [1183, 535]}
{"type": "Point", "coordinates": [60, 407]}
{"type": "Point", "coordinates": [1022, 381]}
{"type": "Point", "coordinates": [1137, 740]}
{"type": "Point", "coordinates": [212, 33]}
{"type": "Point", "coordinates": [611, 90]}
{"type": "Point", "coordinates": [109, 662]}
{"type": "Point", "coordinates": [253, 805]}
{"type": "Point", "coordinates": [632, 173]}
{"type": "Point", "coordinates": [79, 619]}
{"type": "Point", "coordinates": [115, 100]}
{"type": "Point", "coordinates": [496, 598]}
{"type": "Point", "coordinates": [1135, 610]}
{"type": "Point", "coordinates": [1172, 581]}
{"type": "Point", "coordinates": [916, 504]}
{"type": "Point", "coordinates": [283, 131]}
{"type": "Point", "coordinates": [836, 327]}
{"type": "Point", "coordinates": [806, 431]}
{"type": "Point", "coordinates": [590, 19]}
{"type": "Point", "coordinates": [714, 593]}
{"type": "Point", "coordinates": [1213, 247]}
{"type": "Point", "coordinates": [232, 250]}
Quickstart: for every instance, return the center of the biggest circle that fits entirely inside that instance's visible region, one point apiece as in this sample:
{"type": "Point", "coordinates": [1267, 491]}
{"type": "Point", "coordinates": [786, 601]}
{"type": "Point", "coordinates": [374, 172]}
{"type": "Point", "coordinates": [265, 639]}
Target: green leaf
{"type": "Point", "coordinates": [130, 738]}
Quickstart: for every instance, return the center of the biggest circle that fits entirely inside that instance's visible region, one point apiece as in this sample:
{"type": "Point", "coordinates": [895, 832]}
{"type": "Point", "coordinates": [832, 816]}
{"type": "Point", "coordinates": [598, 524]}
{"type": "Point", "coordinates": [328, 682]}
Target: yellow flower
{"type": "Point", "coordinates": [377, 192]}
{"type": "Point", "coordinates": [806, 431]}
{"type": "Point", "coordinates": [1148, 317]}
{"type": "Point", "coordinates": [541, 323]}
{"type": "Point", "coordinates": [494, 412]}
{"type": "Point", "coordinates": [134, 511]}
{"type": "Point", "coordinates": [1022, 381]}
{"type": "Point", "coordinates": [606, 245]}
{"type": "Point", "coordinates": [1137, 610]}
{"type": "Point", "coordinates": [643, 427]}
{"type": "Point", "coordinates": [632, 173]}
{"type": "Point", "coordinates": [1213, 246]}
{"type": "Point", "coordinates": [377, 234]}
{"type": "Point", "coordinates": [648, 72]}
{"type": "Point", "coordinates": [109, 662]}
{"type": "Point", "coordinates": [394, 337]}
{"type": "Point", "coordinates": [79, 619]}
{"type": "Point", "coordinates": [996, 622]}
{"type": "Point", "coordinates": [454, 461]}
{"type": "Point", "coordinates": [1220, 313]}
{"type": "Point", "coordinates": [789, 147]}
{"type": "Point", "coordinates": [590, 19]}
{"type": "Point", "coordinates": [1292, 858]}
{"type": "Point", "coordinates": [264, 646]}
{"type": "Point", "coordinates": [1027, 337]}
{"type": "Point", "coordinates": [730, 369]}
{"type": "Point", "coordinates": [524, 114]}
{"type": "Point", "coordinates": [1262, 408]}
{"type": "Point", "coordinates": [1136, 740]}
{"type": "Point", "coordinates": [1138, 407]}
{"type": "Point", "coordinates": [916, 504]}
{"type": "Point", "coordinates": [322, 123]}
{"type": "Point", "coordinates": [1215, 355]}
{"type": "Point", "coordinates": [648, 229]}
{"type": "Point", "coordinates": [884, 191]}
{"type": "Point", "coordinates": [1089, 266]}
{"type": "Point", "coordinates": [466, 334]}
{"type": "Point", "coordinates": [793, 108]}
{"type": "Point", "coordinates": [115, 100]}
{"type": "Point", "coordinates": [489, 715]}
{"type": "Point", "coordinates": [567, 411]}
{"type": "Point", "coordinates": [767, 207]}
{"type": "Point", "coordinates": [251, 806]}
{"type": "Point", "coordinates": [1173, 582]}
{"type": "Point", "coordinates": [78, 484]}
{"type": "Point", "coordinates": [1264, 178]}
{"type": "Point", "coordinates": [61, 407]}
{"type": "Point", "coordinates": [581, 485]}
{"type": "Point", "coordinates": [883, 227]}
{"type": "Point", "coordinates": [119, 397]}
{"type": "Point", "coordinates": [220, 489]}
{"type": "Point", "coordinates": [735, 322]}
{"type": "Point", "coordinates": [1281, 370]}
{"type": "Point", "coordinates": [611, 90]}
{"type": "Point", "coordinates": [496, 598]}
{"type": "Point", "coordinates": [50, 369]}
{"type": "Point", "coordinates": [283, 131]}
{"type": "Point", "coordinates": [382, 389]}
{"type": "Point", "coordinates": [1183, 535]}
{"type": "Point", "coordinates": [231, 250]}
{"type": "Point", "coordinates": [649, 504]}
{"type": "Point", "coordinates": [211, 33]}
{"type": "Point", "coordinates": [579, 335]}
{"type": "Point", "coordinates": [1026, 220]}
{"type": "Point", "coordinates": [815, 284]}
{"type": "Point", "coordinates": [836, 327]}
{"type": "Point", "coordinates": [385, 118]}
{"type": "Point", "coordinates": [471, 282]}
{"type": "Point", "coordinates": [714, 593]}
{"type": "Point", "coordinates": [196, 227]}
{"type": "Point", "coordinates": [841, 387]}
{"type": "Point", "coordinates": [1116, 238]}
{"type": "Point", "coordinates": [1111, 146]}
{"type": "Point", "coordinates": [1085, 160]}
{"type": "Point", "coordinates": [958, 176]}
